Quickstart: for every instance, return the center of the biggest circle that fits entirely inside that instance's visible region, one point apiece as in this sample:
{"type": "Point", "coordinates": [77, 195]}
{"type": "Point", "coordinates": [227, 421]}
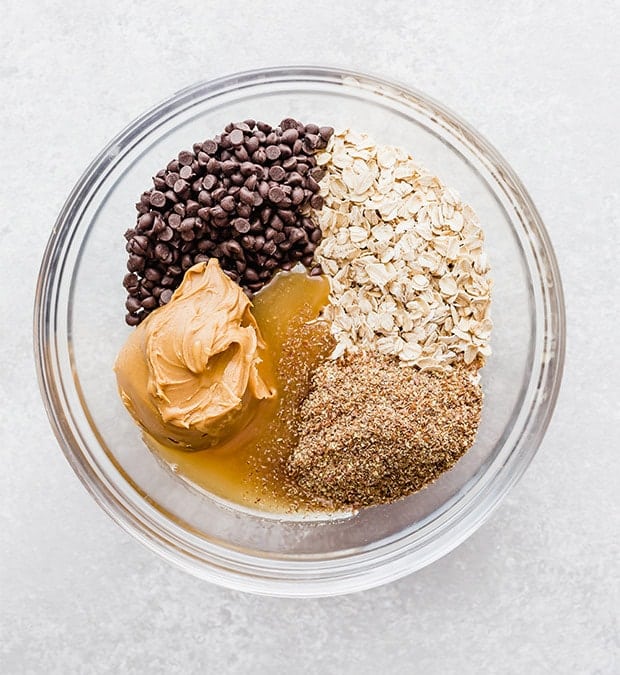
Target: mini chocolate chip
{"type": "Point", "coordinates": [228, 203]}
{"type": "Point", "coordinates": [297, 234]}
{"type": "Point", "coordinates": [316, 236]}
{"type": "Point", "coordinates": [289, 136]}
{"type": "Point", "coordinates": [316, 202]}
{"type": "Point", "coordinates": [214, 166]}
{"type": "Point", "coordinates": [285, 151]}
{"type": "Point", "coordinates": [242, 154]}
{"type": "Point", "coordinates": [288, 123]}
{"type": "Point", "coordinates": [263, 189]}
{"type": "Point", "coordinates": [272, 152]}
{"type": "Point", "coordinates": [209, 147]}
{"type": "Point", "coordinates": [297, 196]}
{"type": "Point", "coordinates": [276, 223]}
{"type": "Point", "coordinates": [236, 137]}
{"type": "Point", "coordinates": [133, 304]}
{"type": "Point", "coordinates": [130, 280]}
{"type": "Point", "coordinates": [247, 169]}
{"type": "Point", "coordinates": [189, 235]}
{"type": "Point", "coordinates": [229, 167]}
{"type": "Point", "coordinates": [276, 194]}
{"type": "Point", "coordinates": [259, 156]}
{"type": "Point", "coordinates": [185, 172]}
{"type": "Point", "coordinates": [157, 199]}
{"type": "Point", "coordinates": [234, 249]}
{"type": "Point", "coordinates": [288, 217]}
{"type": "Point", "coordinates": [186, 158]}
{"type": "Point", "coordinates": [277, 173]}
{"type": "Point", "coordinates": [174, 220]}
{"type": "Point", "coordinates": [270, 247]}
{"type": "Point", "coordinates": [135, 263]}
{"type": "Point", "coordinates": [209, 181]}
{"type": "Point", "coordinates": [246, 196]}
{"type": "Point", "coordinates": [251, 275]}
{"type": "Point", "coordinates": [252, 144]}
{"type": "Point", "coordinates": [242, 225]}
{"type": "Point", "coordinates": [180, 186]}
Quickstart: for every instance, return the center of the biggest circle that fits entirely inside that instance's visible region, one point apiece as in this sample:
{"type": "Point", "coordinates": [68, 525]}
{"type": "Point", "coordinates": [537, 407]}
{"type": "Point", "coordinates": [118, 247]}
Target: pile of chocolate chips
{"type": "Point", "coordinates": [243, 197]}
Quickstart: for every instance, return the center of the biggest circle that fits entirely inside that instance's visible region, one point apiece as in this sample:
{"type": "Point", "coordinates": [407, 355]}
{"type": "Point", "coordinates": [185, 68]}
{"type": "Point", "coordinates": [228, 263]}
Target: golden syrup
{"type": "Point", "coordinates": [249, 466]}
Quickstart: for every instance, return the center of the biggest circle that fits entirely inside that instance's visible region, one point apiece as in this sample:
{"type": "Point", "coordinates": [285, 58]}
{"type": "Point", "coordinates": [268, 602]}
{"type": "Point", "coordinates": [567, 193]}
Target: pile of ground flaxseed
{"type": "Point", "coordinates": [372, 431]}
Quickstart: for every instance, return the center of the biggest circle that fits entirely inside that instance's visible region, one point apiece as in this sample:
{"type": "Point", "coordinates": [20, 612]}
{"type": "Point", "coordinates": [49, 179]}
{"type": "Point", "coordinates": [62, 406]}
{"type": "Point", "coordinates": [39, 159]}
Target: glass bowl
{"type": "Point", "coordinates": [79, 328]}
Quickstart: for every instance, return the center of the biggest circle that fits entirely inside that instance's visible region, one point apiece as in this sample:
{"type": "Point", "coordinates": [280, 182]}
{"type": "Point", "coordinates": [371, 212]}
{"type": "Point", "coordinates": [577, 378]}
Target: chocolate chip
{"type": "Point", "coordinates": [172, 178]}
{"type": "Point", "coordinates": [277, 173]}
{"type": "Point", "coordinates": [316, 236]}
{"type": "Point", "coordinates": [180, 186]}
{"type": "Point", "coordinates": [316, 202]}
{"type": "Point", "coordinates": [241, 225]}
{"type": "Point", "coordinates": [185, 172]}
{"type": "Point", "coordinates": [288, 123]}
{"type": "Point", "coordinates": [228, 203]}
{"type": "Point", "coordinates": [289, 136]}
{"type": "Point", "coordinates": [244, 210]}
{"type": "Point", "coordinates": [236, 137]}
{"type": "Point", "coordinates": [157, 199]}
{"type": "Point", "coordinates": [186, 158]}
{"type": "Point", "coordinates": [272, 152]}
{"type": "Point", "coordinates": [276, 194]}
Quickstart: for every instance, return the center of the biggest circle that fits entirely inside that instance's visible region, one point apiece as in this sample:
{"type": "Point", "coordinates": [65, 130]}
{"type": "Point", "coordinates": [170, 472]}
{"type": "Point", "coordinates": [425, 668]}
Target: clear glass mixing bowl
{"type": "Point", "coordinates": [79, 328]}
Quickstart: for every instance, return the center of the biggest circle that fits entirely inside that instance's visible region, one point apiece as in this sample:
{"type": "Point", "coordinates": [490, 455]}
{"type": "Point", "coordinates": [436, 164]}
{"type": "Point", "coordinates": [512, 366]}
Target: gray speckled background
{"type": "Point", "coordinates": [536, 589]}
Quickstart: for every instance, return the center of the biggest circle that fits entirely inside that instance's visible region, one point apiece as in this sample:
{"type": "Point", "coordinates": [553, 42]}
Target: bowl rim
{"type": "Point", "coordinates": [304, 579]}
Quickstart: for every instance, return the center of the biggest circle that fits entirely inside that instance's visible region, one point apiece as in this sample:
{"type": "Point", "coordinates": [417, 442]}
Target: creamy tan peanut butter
{"type": "Point", "coordinates": [190, 368]}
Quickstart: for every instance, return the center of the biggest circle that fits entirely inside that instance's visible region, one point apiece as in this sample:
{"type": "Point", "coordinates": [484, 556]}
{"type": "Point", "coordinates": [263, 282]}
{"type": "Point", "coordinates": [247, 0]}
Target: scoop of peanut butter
{"type": "Point", "coordinates": [190, 369]}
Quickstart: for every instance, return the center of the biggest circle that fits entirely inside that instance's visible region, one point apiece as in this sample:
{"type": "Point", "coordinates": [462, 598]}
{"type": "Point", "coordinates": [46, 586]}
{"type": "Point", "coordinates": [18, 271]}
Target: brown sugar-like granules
{"type": "Point", "coordinates": [373, 431]}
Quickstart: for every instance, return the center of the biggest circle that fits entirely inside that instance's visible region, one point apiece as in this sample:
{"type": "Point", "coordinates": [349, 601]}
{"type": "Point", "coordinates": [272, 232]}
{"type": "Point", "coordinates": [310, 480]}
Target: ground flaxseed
{"type": "Point", "coordinates": [372, 431]}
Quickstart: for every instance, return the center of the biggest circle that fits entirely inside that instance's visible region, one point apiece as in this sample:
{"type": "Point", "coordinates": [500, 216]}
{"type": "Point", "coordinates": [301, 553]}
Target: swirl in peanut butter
{"type": "Point", "coordinates": [189, 369]}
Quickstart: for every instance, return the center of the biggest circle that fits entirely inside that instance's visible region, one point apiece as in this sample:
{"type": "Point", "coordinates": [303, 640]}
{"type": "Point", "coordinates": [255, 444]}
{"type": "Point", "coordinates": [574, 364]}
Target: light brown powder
{"type": "Point", "coordinates": [372, 431]}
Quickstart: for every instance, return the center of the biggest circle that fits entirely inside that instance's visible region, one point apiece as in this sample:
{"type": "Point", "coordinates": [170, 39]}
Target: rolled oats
{"type": "Point", "coordinates": [405, 258]}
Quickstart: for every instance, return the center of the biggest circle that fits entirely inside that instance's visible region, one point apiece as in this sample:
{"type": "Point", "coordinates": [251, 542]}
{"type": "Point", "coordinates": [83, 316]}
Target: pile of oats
{"type": "Point", "coordinates": [405, 259]}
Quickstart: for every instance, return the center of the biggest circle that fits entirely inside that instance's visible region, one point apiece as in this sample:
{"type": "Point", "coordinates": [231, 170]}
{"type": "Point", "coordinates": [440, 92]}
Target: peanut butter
{"type": "Point", "coordinates": [191, 368]}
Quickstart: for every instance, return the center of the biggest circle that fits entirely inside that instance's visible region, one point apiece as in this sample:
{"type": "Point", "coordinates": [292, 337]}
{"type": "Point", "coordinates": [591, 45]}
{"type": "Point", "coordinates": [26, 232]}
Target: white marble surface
{"type": "Point", "coordinates": [536, 590]}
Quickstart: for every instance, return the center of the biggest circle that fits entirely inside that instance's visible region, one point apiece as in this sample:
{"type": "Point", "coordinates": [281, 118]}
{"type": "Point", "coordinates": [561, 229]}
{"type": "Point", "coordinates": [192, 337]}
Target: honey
{"type": "Point", "coordinates": [249, 467]}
